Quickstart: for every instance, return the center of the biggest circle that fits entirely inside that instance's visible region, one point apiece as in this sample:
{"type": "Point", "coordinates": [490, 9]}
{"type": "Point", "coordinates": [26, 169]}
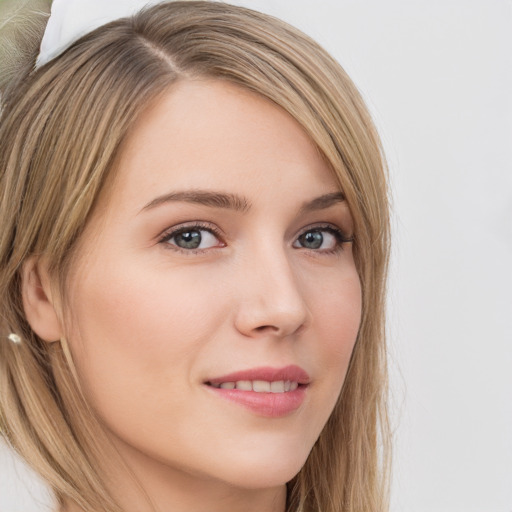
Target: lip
{"type": "Point", "coordinates": [270, 405]}
{"type": "Point", "coordinates": [292, 372]}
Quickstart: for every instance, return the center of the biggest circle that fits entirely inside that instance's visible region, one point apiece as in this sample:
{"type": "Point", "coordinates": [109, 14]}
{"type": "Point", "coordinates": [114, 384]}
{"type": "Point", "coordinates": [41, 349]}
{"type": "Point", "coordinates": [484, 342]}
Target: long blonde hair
{"type": "Point", "coordinates": [61, 128]}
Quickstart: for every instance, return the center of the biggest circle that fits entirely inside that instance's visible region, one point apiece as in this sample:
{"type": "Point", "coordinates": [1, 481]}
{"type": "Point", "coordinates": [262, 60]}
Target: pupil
{"type": "Point", "coordinates": [312, 239]}
{"type": "Point", "coordinates": [188, 239]}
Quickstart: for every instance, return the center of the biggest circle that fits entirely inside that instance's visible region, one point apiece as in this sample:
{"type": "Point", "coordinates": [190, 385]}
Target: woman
{"type": "Point", "coordinates": [193, 262]}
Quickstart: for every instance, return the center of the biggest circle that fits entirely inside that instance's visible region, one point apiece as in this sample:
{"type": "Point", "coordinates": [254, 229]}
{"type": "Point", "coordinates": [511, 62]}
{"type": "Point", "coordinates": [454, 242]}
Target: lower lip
{"type": "Point", "coordinates": [270, 405]}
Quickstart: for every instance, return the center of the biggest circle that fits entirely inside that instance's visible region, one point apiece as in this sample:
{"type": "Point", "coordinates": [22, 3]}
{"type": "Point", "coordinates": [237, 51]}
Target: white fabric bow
{"type": "Point", "coordinates": [72, 19]}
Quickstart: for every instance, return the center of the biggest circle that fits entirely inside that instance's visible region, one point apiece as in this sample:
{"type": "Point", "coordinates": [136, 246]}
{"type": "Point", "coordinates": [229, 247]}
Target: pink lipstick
{"type": "Point", "coordinates": [270, 392]}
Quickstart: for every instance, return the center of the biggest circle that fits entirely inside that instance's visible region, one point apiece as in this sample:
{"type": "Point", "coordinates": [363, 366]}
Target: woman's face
{"type": "Point", "coordinates": [217, 259]}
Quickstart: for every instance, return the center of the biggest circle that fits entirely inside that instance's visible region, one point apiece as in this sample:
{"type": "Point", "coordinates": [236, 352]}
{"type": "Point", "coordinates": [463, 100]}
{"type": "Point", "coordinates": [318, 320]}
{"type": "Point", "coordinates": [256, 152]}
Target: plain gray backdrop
{"type": "Point", "coordinates": [437, 75]}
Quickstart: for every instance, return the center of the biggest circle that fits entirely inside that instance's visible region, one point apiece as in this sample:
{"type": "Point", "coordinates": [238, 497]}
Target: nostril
{"type": "Point", "coordinates": [265, 327]}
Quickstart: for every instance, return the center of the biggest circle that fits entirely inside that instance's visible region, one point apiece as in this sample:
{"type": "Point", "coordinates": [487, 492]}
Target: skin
{"type": "Point", "coordinates": [150, 323]}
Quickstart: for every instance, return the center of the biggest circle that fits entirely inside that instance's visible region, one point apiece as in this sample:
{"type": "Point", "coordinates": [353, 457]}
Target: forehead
{"type": "Point", "coordinates": [216, 135]}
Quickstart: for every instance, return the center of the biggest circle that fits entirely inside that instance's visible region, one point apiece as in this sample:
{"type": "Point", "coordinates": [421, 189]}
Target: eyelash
{"type": "Point", "coordinates": [339, 235]}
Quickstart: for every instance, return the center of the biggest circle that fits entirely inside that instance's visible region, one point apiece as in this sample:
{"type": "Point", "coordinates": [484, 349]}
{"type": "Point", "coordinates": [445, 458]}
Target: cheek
{"type": "Point", "coordinates": [134, 336]}
{"type": "Point", "coordinates": [336, 313]}
{"type": "Point", "coordinates": [139, 307]}
{"type": "Point", "coordinates": [341, 319]}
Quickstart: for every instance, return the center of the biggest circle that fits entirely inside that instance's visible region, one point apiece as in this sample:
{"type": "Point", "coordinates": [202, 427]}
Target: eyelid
{"type": "Point", "coordinates": [328, 227]}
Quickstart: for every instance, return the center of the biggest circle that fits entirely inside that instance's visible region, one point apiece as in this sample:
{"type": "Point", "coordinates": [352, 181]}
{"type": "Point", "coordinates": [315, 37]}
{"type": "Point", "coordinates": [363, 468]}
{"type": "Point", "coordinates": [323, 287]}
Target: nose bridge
{"type": "Point", "coordinates": [272, 299]}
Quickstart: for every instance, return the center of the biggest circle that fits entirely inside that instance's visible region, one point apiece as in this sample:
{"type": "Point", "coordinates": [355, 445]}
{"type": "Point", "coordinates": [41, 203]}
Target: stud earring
{"type": "Point", "coordinates": [14, 338]}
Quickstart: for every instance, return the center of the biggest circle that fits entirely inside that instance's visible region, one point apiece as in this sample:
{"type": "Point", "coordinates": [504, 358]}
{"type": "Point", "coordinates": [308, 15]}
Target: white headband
{"type": "Point", "coordinates": [72, 19]}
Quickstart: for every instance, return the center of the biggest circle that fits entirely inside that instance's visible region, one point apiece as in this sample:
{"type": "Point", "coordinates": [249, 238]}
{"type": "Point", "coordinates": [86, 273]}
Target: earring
{"type": "Point", "coordinates": [14, 338]}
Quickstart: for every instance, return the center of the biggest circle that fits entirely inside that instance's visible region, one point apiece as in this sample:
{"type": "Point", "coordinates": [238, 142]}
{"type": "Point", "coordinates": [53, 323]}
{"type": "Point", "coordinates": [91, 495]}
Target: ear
{"type": "Point", "coordinates": [39, 306]}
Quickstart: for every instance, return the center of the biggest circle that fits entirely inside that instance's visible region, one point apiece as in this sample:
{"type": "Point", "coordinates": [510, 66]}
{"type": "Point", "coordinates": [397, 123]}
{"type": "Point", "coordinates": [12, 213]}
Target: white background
{"type": "Point", "coordinates": [437, 75]}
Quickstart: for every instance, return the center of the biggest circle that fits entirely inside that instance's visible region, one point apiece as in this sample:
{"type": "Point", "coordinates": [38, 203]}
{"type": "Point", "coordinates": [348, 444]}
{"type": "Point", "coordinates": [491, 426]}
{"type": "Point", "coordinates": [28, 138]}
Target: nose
{"type": "Point", "coordinates": [270, 300]}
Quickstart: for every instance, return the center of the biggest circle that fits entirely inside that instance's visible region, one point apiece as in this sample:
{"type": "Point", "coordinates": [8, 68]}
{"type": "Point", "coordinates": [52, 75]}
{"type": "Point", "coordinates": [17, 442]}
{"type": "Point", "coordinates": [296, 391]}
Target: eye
{"type": "Point", "coordinates": [325, 239]}
{"type": "Point", "coordinates": [192, 238]}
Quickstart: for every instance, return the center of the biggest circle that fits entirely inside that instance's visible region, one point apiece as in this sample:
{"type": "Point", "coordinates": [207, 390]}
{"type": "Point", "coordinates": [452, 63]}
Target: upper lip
{"type": "Point", "coordinates": [291, 373]}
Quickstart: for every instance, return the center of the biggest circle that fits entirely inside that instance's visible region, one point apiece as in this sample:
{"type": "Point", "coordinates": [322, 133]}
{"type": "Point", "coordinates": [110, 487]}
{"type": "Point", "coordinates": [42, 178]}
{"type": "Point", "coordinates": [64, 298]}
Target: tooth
{"type": "Point", "coordinates": [277, 386]}
{"type": "Point", "coordinates": [261, 386]}
{"type": "Point", "coordinates": [244, 385]}
{"type": "Point", "coordinates": [294, 386]}
{"type": "Point", "coordinates": [287, 385]}
{"type": "Point", "coordinates": [215, 385]}
{"type": "Point", "coordinates": [228, 385]}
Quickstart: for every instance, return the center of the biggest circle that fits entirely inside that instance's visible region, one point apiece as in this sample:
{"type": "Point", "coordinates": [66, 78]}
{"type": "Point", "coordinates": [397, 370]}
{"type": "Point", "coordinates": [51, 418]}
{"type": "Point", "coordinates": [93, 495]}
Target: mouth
{"type": "Point", "coordinates": [263, 379]}
{"type": "Point", "coordinates": [269, 392]}
{"type": "Point", "coordinates": [259, 386]}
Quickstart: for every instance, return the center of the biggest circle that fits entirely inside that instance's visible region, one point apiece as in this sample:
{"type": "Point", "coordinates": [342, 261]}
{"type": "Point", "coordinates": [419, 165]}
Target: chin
{"type": "Point", "coordinates": [260, 473]}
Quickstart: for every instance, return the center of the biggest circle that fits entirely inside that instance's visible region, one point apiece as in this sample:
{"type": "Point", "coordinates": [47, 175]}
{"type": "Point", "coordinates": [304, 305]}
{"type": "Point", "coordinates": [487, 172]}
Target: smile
{"type": "Point", "coordinates": [260, 386]}
{"type": "Point", "coordinates": [267, 392]}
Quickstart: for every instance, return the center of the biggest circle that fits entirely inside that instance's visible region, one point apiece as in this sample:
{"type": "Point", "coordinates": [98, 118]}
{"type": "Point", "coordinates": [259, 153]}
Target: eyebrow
{"type": "Point", "coordinates": [235, 202]}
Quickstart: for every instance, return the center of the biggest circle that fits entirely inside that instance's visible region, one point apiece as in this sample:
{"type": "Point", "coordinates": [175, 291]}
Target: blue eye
{"type": "Point", "coordinates": [315, 239]}
{"type": "Point", "coordinates": [192, 238]}
{"type": "Point", "coordinates": [326, 239]}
